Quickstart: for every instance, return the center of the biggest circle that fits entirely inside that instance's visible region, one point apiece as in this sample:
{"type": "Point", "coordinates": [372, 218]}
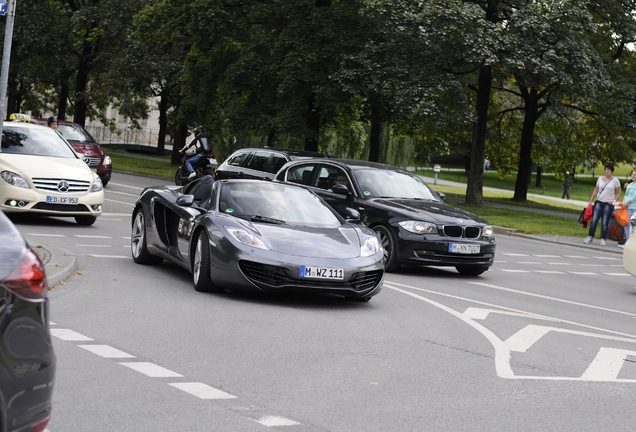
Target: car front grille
{"type": "Point", "coordinates": [92, 161]}
{"type": "Point", "coordinates": [458, 231]}
{"type": "Point", "coordinates": [269, 277]}
{"type": "Point", "coordinates": [61, 207]}
{"type": "Point", "coordinates": [61, 185]}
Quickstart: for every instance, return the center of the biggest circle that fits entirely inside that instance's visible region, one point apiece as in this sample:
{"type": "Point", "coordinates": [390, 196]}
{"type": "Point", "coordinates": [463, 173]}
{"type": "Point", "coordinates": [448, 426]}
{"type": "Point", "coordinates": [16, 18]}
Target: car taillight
{"type": "Point", "coordinates": [41, 426]}
{"type": "Point", "coordinates": [28, 278]}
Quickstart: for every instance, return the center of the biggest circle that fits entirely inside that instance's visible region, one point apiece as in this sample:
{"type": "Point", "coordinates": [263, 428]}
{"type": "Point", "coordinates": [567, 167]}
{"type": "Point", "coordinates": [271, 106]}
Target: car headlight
{"type": "Point", "coordinates": [15, 179]}
{"type": "Point", "coordinates": [97, 185]}
{"type": "Point", "coordinates": [418, 227]}
{"type": "Point", "coordinates": [370, 246]}
{"type": "Point", "coordinates": [487, 231]}
{"type": "Point", "coordinates": [107, 160]}
{"type": "Point", "coordinates": [247, 238]}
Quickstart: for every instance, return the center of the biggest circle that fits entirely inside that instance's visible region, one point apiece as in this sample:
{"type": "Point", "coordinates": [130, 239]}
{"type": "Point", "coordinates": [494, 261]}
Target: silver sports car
{"type": "Point", "coordinates": [256, 235]}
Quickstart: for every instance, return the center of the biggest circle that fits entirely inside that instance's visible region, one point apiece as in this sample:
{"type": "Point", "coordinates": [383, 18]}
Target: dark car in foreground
{"type": "Point", "coordinates": [27, 361]}
{"type": "Point", "coordinates": [256, 235]}
{"type": "Point", "coordinates": [413, 223]}
{"type": "Point", "coordinates": [85, 144]}
{"type": "Point", "coordinates": [259, 163]}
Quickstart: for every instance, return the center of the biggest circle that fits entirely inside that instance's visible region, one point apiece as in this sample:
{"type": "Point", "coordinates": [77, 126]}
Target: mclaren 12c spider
{"type": "Point", "coordinates": [257, 235]}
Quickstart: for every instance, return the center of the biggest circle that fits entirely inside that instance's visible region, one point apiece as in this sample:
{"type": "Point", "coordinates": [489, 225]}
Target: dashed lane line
{"type": "Point", "coordinates": [152, 370]}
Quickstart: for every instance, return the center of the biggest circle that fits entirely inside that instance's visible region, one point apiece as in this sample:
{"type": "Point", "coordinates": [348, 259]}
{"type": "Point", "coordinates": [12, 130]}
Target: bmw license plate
{"type": "Point", "coordinates": [321, 272]}
{"type": "Point", "coordinates": [462, 248]}
{"type": "Point", "coordinates": [61, 200]}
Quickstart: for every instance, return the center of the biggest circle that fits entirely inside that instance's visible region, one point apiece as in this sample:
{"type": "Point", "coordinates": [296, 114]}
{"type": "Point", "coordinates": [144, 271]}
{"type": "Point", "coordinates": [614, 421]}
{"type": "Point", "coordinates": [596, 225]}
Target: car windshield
{"type": "Point", "coordinates": [75, 133]}
{"type": "Point", "coordinates": [376, 183]}
{"type": "Point", "coordinates": [276, 203]}
{"type": "Point", "coordinates": [36, 141]}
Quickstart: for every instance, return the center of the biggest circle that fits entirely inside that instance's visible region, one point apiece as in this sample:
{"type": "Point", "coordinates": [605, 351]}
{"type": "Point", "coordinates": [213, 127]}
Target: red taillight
{"type": "Point", "coordinates": [28, 278]}
{"type": "Point", "coordinates": [40, 427]}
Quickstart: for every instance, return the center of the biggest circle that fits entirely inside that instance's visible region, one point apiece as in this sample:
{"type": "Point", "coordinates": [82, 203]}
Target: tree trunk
{"type": "Point", "coordinates": [538, 180]}
{"type": "Point", "coordinates": [375, 138]}
{"type": "Point", "coordinates": [163, 122]}
{"type": "Point", "coordinates": [81, 84]}
{"type": "Point", "coordinates": [527, 136]}
{"type": "Point", "coordinates": [475, 185]}
{"type": "Point", "coordinates": [180, 136]}
{"type": "Point", "coordinates": [313, 124]}
{"type": "Point", "coordinates": [63, 97]}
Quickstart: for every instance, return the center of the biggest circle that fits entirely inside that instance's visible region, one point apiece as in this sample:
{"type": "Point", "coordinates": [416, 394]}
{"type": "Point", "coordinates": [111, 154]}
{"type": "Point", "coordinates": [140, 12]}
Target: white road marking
{"type": "Point", "coordinates": [68, 335]}
{"type": "Point", "coordinates": [502, 358]}
{"type": "Point", "coordinates": [202, 391]}
{"type": "Point", "coordinates": [122, 193]}
{"type": "Point", "coordinates": [548, 256]}
{"type": "Point", "coordinates": [106, 351]}
{"type": "Point", "coordinates": [514, 254]}
{"type": "Point", "coordinates": [583, 273]}
{"type": "Point", "coordinates": [528, 262]}
{"type": "Point", "coordinates": [93, 245]}
{"type": "Point", "coordinates": [274, 421]}
{"type": "Point", "coordinates": [576, 256]}
{"type": "Point", "coordinates": [126, 186]}
{"type": "Point", "coordinates": [150, 369]}
{"type": "Point", "coordinates": [92, 236]}
{"type": "Point", "coordinates": [618, 274]}
{"type": "Point", "coordinates": [550, 271]}
{"type": "Point", "coordinates": [607, 364]}
{"type": "Point", "coordinates": [109, 256]}
{"type": "Point", "coordinates": [514, 271]}
{"type": "Point", "coordinates": [119, 202]}
{"type": "Point", "coordinates": [46, 235]}
{"type": "Point", "coordinates": [558, 263]}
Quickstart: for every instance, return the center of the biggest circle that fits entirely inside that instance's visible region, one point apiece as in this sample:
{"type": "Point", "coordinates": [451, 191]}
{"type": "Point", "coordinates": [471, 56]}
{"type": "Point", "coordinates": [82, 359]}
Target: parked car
{"type": "Point", "coordinates": [41, 173]}
{"type": "Point", "coordinates": [259, 163]}
{"type": "Point", "coordinates": [85, 144]}
{"type": "Point", "coordinates": [413, 223]}
{"type": "Point", "coordinates": [27, 360]}
{"type": "Point", "coordinates": [258, 236]}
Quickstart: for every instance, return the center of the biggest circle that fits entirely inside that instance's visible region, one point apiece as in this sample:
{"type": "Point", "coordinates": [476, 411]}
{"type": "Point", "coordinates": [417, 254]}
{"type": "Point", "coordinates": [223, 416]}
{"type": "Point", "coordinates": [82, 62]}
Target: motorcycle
{"type": "Point", "coordinates": [204, 166]}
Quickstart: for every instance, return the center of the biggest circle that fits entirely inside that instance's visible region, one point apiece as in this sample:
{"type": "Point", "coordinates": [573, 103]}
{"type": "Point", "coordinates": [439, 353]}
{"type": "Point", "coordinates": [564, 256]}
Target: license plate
{"type": "Point", "coordinates": [61, 200]}
{"type": "Point", "coordinates": [321, 272]}
{"type": "Point", "coordinates": [461, 248]}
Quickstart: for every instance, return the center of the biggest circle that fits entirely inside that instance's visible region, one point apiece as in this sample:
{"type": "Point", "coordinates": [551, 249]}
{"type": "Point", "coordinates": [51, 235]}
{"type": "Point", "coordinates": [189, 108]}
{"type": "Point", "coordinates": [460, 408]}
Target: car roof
{"type": "Point", "coordinates": [355, 164]}
{"type": "Point", "coordinates": [290, 152]}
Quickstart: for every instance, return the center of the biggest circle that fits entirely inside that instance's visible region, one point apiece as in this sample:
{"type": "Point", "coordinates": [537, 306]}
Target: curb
{"type": "Point", "coordinates": [59, 263]}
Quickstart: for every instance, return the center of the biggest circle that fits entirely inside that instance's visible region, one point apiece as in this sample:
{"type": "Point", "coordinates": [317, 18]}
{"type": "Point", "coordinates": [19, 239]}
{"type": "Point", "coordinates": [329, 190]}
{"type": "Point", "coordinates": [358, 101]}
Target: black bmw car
{"type": "Point", "coordinates": [256, 235]}
{"type": "Point", "coordinates": [27, 361]}
{"type": "Point", "coordinates": [414, 224]}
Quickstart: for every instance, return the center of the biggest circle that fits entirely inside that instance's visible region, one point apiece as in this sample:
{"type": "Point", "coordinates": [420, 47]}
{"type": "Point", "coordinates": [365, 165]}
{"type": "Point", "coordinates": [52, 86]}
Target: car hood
{"type": "Point", "coordinates": [429, 211]}
{"type": "Point", "coordinates": [90, 150]}
{"type": "Point", "coordinates": [340, 242]}
{"type": "Point", "coordinates": [45, 166]}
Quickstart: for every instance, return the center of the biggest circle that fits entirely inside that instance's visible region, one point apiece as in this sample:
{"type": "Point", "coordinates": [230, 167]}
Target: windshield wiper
{"type": "Point", "coordinates": [259, 218]}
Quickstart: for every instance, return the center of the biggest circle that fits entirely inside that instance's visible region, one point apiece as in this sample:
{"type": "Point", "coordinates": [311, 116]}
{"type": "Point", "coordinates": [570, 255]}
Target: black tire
{"type": "Point", "coordinates": [85, 220]}
{"type": "Point", "coordinates": [181, 176]}
{"type": "Point", "coordinates": [389, 243]}
{"type": "Point", "coordinates": [201, 264]}
{"type": "Point", "coordinates": [138, 246]}
{"type": "Point", "coordinates": [468, 270]}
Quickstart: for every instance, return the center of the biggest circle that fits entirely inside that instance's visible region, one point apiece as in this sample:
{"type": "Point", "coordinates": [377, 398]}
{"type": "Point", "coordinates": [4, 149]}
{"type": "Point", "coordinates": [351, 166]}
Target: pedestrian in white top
{"type": "Point", "coordinates": [630, 202]}
{"type": "Point", "coordinates": [607, 190]}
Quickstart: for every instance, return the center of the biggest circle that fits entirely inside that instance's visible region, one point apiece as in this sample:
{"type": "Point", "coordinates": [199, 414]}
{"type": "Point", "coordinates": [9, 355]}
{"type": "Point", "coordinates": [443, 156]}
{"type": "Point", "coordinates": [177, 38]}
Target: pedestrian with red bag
{"type": "Point", "coordinates": [630, 202]}
{"type": "Point", "coordinates": [607, 191]}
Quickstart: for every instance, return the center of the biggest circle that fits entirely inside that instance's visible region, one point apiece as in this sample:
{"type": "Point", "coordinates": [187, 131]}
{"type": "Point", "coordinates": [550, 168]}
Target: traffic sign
{"type": "Point", "coordinates": [3, 7]}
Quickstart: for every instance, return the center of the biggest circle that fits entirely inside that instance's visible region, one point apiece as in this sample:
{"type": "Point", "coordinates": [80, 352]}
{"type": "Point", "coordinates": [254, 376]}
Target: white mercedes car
{"type": "Point", "coordinates": [41, 173]}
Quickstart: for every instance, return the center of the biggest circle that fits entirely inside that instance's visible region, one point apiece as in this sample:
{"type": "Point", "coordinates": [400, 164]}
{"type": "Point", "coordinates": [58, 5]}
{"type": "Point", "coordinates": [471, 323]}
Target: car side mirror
{"type": "Point", "coordinates": [441, 196]}
{"type": "Point", "coordinates": [185, 201]}
{"type": "Point", "coordinates": [340, 189]}
{"type": "Point", "coordinates": [352, 215]}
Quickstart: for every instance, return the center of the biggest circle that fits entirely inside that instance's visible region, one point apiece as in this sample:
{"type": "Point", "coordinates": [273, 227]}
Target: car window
{"type": "Point", "coordinates": [75, 133]}
{"type": "Point", "coordinates": [37, 141]}
{"type": "Point", "coordinates": [301, 174]}
{"type": "Point", "coordinates": [237, 159]}
{"type": "Point", "coordinates": [291, 204]}
{"type": "Point", "coordinates": [277, 163]}
{"type": "Point", "coordinates": [330, 175]}
{"type": "Point", "coordinates": [392, 184]}
{"type": "Point", "coordinates": [258, 161]}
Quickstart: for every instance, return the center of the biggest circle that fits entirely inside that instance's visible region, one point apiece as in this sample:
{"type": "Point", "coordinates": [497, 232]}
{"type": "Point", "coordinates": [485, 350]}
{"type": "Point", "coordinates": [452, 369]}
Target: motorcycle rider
{"type": "Point", "coordinates": [203, 149]}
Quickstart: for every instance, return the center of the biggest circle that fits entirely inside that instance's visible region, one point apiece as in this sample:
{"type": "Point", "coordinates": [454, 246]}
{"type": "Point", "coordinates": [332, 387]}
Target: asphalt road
{"type": "Point", "coordinates": [545, 340]}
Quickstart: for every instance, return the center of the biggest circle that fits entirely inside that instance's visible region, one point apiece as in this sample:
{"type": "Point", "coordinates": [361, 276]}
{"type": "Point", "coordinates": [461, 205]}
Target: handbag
{"type": "Point", "coordinates": [586, 215]}
{"type": "Point", "coordinates": [622, 216]}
